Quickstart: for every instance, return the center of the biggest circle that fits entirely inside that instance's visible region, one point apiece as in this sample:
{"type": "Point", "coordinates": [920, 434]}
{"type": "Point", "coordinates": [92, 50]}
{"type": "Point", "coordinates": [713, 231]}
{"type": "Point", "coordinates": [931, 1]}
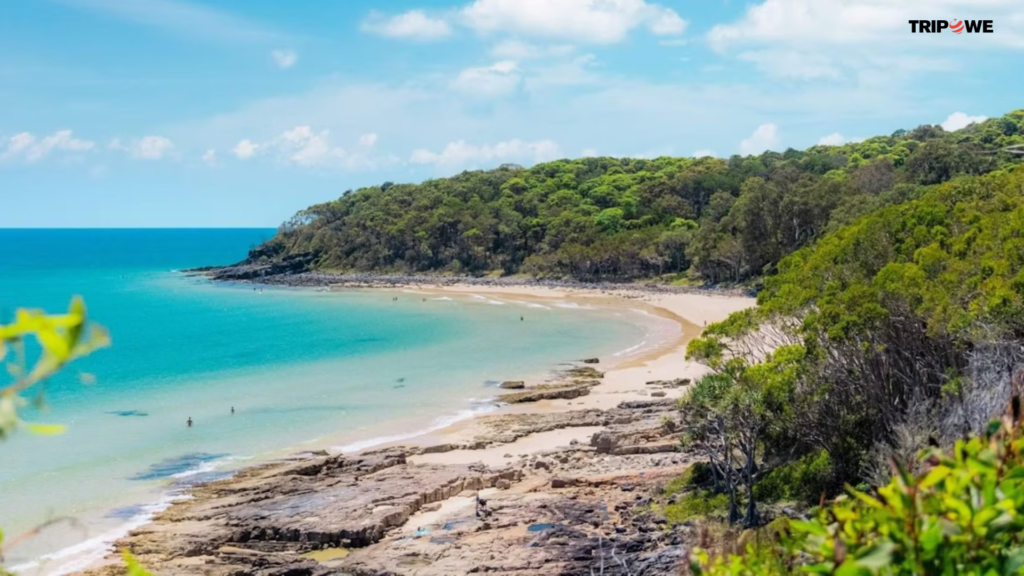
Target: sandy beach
{"type": "Point", "coordinates": [624, 380]}
{"type": "Point", "coordinates": [524, 455]}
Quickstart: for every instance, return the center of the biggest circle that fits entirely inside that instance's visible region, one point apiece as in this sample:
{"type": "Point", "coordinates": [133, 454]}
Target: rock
{"type": "Point", "coordinates": [591, 360]}
{"type": "Point", "coordinates": [574, 441]}
{"type": "Point", "coordinates": [562, 482]}
{"type": "Point", "coordinates": [658, 394]}
{"type": "Point", "coordinates": [677, 383]}
{"type": "Point", "coordinates": [650, 448]}
{"type": "Point", "coordinates": [502, 484]}
{"type": "Point", "coordinates": [604, 442]}
{"type": "Point", "coordinates": [542, 464]}
{"type": "Point", "coordinates": [539, 393]}
{"type": "Point", "coordinates": [512, 385]}
{"type": "Point", "coordinates": [584, 372]}
{"type": "Point", "coordinates": [431, 507]}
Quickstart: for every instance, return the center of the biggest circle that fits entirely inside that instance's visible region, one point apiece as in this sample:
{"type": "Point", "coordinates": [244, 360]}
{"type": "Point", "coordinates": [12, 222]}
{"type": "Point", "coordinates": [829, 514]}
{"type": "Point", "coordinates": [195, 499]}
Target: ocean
{"type": "Point", "coordinates": [301, 369]}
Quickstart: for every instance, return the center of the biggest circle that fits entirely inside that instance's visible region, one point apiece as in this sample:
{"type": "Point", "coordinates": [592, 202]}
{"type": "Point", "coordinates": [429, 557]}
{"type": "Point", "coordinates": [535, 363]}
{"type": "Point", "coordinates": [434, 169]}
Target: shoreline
{"type": "Point", "coordinates": [623, 381]}
{"type": "Point", "coordinates": [270, 276]}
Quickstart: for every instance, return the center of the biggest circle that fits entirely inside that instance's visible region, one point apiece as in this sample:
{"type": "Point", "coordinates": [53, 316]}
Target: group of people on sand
{"type": "Point", "coordinates": [189, 422]}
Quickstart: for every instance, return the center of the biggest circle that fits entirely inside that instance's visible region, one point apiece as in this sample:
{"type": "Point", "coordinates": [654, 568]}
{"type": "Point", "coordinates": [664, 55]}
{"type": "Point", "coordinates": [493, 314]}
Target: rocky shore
{"type": "Point", "coordinates": [568, 480]}
{"type": "Point", "coordinates": [295, 272]}
{"type": "Point", "coordinates": [576, 509]}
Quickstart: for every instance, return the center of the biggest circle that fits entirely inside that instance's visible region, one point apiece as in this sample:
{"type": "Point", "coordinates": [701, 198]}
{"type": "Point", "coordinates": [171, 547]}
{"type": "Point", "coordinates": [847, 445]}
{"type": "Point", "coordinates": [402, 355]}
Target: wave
{"type": "Point", "coordinates": [528, 304]}
{"type": "Point", "coordinates": [198, 468]}
{"type": "Point", "coordinates": [443, 298]}
{"type": "Point", "coordinates": [486, 300]}
{"type": "Point", "coordinates": [573, 306]}
{"type": "Point", "coordinates": [482, 407]}
{"type": "Point", "coordinates": [630, 349]}
{"type": "Point", "coordinates": [81, 555]}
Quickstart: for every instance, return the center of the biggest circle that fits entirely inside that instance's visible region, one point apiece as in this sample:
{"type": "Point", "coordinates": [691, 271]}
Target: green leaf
{"type": "Point", "coordinates": [876, 556]}
{"type": "Point", "coordinates": [45, 429]}
{"type": "Point", "coordinates": [937, 474]}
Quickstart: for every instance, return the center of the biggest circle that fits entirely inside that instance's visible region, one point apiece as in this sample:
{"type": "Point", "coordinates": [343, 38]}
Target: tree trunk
{"type": "Point", "coordinates": [752, 518]}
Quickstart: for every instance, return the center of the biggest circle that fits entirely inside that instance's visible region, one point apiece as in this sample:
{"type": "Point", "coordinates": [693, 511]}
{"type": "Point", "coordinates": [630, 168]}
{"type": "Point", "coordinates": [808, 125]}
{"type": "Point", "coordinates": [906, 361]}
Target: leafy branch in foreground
{"type": "Point", "coordinates": [62, 339]}
{"type": "Point", "coordinates": [963, 514]}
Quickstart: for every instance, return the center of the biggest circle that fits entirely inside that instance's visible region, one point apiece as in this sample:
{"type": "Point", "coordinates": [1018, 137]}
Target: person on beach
{"type": "Point", "coordinates": [189, 421]}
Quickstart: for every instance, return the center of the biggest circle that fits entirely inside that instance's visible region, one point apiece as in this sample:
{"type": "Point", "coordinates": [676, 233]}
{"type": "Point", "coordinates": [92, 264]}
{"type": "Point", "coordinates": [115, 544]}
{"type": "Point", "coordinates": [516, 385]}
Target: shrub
{"type": "Point", "coordinates": [804, 480]}
{"type": "Point", "coordinates": [963, 514]}
{"type": "Point", "coordinates": [700, 503]}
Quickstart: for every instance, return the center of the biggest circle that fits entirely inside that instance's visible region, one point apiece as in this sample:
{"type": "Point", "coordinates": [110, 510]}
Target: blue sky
{"type": "Point", "coordinates": [241, 112]}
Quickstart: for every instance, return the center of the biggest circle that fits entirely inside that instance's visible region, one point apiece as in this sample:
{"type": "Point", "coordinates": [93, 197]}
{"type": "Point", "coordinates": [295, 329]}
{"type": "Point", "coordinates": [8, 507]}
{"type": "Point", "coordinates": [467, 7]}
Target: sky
{"type": "Point", "coordinates": [174, 113]}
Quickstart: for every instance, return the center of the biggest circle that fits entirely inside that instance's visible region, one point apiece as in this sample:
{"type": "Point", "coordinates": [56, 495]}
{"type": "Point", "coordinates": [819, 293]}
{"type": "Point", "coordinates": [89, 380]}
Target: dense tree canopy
{"type": "Point", "coordinates": [610, 218]}
{"type": "Point", "coordinates": [903, 329]}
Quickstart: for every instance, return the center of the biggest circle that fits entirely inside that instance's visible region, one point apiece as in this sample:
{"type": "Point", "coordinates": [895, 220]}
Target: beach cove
{"type": "Point", "coordinates": [487, 447]}
{"type": "Point", "coordinates": [272, 354]}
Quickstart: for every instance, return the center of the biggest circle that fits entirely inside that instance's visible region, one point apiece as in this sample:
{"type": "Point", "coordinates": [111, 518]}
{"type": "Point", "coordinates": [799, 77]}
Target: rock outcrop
{"type": "Point", "coordinates": [566, 511]}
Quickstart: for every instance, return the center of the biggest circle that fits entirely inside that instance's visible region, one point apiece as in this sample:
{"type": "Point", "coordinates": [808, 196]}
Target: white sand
{"type": "Point", "coordinates": [621, 382]}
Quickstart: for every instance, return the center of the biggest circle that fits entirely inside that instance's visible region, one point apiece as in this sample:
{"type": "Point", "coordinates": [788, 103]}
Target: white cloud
{"type": "Point", "coordinates": [958, 120]}
{"type": "Point", "coordinates": [812, 39]}
{"type": "Point", "coordinates": [766, 137]}
{"type": "Point", "coordinates": [145, 148]}
{"type": "Point", "coordinates": [499, 79]}
{"type": "Point", "coordinates": [284, 59]}
{"type": "Point", "coordinates": [33, 149]}
{"type": "Point", "coordinates": [245, 149]}
{"type": "Point", "coordinates": [152, 148]}
{"type": "Point", "coordinates": [845, 22]}
{"type": "Point", "coordinates": [792, 64]}
{"type": "Point", "coordinates": [588, 153]}
{"type": "Point", "coordinates": [308, 148]}
{"type": "Point", "coordinates": [592, 21]}
{"type": "Point", "coordinates": [704, 154]}
{"type": "Point", "coordinates": [61, 140]}
{"type": "Point", "coordinates": [412, 25]}
{"type": "Point", "coordinates": [210, 157]}
{"type": "Point", "coordinates": [461, 153]}
{"type": "Point", "coordinates": [834, 139]}
{"type": "Point", "coordinates": [518, 50]}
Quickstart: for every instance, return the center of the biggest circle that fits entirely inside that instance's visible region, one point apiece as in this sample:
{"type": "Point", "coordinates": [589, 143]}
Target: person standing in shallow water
{"type": "Point", "coordinates": [232, 409]}
{"type": "Point", "coordinates": [189, 421]}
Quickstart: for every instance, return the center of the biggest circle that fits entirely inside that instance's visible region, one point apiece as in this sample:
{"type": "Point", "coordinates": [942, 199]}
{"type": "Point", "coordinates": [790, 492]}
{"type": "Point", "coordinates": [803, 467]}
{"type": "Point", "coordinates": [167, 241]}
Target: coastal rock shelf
{"type": "Point", "coordinates": [562, 511]}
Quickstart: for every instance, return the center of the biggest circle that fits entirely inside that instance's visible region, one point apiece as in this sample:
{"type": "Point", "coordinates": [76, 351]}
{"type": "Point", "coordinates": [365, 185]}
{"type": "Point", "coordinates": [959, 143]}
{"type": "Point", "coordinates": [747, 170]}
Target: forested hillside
{"type": "Point", "coordinates": [900, 333]}
{"type": "Point", "coordinates": [621, 219]}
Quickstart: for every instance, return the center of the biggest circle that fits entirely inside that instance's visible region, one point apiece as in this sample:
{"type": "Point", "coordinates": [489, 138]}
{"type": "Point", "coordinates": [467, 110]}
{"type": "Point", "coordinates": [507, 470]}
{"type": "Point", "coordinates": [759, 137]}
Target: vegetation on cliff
{"type": "Point", "coordinates": [617, 219]}
{"type": "Point", "coordinates": [901, 331]}
{"type": "Point", "coordinates": [962, 514]}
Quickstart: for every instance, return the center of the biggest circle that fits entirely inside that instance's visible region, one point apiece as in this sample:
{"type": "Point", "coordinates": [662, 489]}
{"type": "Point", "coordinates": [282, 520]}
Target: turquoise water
{"type": "Point", "coordinates": [301, 368]}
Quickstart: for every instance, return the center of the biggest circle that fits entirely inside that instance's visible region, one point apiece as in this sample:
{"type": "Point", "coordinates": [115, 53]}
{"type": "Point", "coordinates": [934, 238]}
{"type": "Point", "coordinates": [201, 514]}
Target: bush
{"type": "Point", "coordinates": [963, 514]}
{"type": "Point", "coordinates": [698, 504]}
{"type": "Point", "coordinates": [802, 481]}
